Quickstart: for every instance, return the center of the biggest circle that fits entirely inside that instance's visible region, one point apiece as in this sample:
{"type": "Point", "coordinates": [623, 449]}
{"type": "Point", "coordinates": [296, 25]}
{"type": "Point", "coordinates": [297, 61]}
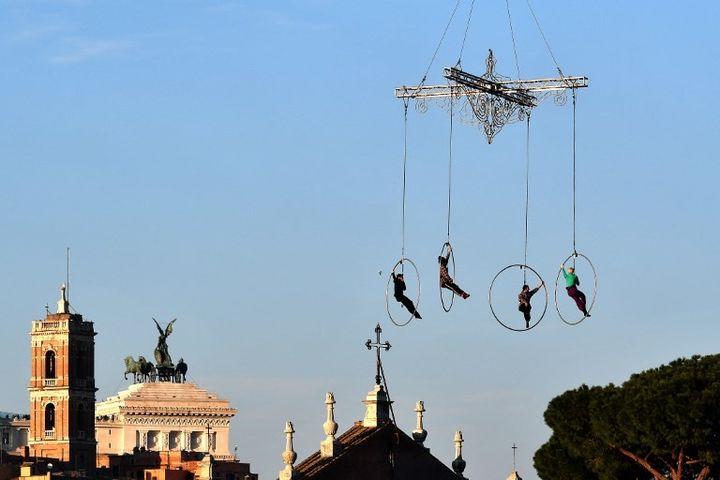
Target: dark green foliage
{"type": "Point", "coordinates": [552, 460]}
{"type": "Point", "coordinates": [663, 423]}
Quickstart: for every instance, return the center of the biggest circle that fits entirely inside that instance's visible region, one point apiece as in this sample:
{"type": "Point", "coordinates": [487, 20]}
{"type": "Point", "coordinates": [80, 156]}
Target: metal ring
{"type": "Point", "coordinates": [387, 290]}
{"type": "Point", "coordinates": [544, 287]}
{"type": "Point", "coordinates": [447, 307]}
{"type": "Point", "coordinates": [595, 288]}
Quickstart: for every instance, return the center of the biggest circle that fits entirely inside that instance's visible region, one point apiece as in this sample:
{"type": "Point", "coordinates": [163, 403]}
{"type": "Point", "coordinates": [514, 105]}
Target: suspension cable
{"type": "Point", "coordinates": [574, 93]}
{"type": "Point", "coordinates": [467, 27]}
{"type": "Point", "coordinates": [527, 192]}
{"type": "Point", "coordinates": [547, 44]}
{"type": "Point", "coordinates": [402, 257]}
{"type": "Point", "coordinates": [512, 34]}
{"type": "Point", "coordinates": [387, 392]}
{"type": "Point", "coordinates": [450, 142]}
{"type": "Point", "coordinates": [442, 37]}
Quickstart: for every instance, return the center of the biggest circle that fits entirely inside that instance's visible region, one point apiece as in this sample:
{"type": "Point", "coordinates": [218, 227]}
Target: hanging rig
{"type": "Point", "coordinates": [490, 101]}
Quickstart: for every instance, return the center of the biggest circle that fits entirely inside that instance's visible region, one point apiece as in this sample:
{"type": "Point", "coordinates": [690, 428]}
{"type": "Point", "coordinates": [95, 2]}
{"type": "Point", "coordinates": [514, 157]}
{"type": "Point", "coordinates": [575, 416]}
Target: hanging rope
{"type": "Point", "coordinates": [527, 193]}
{"type": "Point", "coordinates": [402, 257]}
{"type": "Point", "coordinates": [432, 60]}
{"type": "Point", "coordinates": [574, 93]}
{"type": "Point", "coordinates": [450, 165]}
{"type": "Point", "coordinates": [547, 44]}
{"type": "Point", "coordinates": [467, 27]}
{"type": "Point", "coordinates": [512, 34]}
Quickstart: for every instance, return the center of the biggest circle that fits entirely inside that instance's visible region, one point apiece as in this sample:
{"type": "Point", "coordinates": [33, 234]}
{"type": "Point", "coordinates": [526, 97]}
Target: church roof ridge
{"type": "Point", "coordinates": [351, 437]}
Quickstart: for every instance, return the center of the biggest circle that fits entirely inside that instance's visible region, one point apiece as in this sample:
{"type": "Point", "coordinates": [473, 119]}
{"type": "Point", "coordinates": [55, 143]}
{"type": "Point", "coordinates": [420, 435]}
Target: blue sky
{"type": "Point", "coordinates": [237, 165]}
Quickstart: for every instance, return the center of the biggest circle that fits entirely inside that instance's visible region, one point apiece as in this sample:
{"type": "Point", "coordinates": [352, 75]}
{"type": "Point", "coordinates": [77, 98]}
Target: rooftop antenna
{"type": "Point", "coordinates": [514, 466]}
{"type": "Point", "coordinates": [67, 273]}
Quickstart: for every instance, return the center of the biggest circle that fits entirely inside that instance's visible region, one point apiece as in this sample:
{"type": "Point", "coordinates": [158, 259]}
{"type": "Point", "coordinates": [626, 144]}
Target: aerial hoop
{"type": "Point", "coordinates": [447, 304]}
{"type": "Point", "coordinates": [574, 256]}
{"type": "Point", "coordinates": [544, 288]}
{"type": "Point", "coordinates": [401, 263]}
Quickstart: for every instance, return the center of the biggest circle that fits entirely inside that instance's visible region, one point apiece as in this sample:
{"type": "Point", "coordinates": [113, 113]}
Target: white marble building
{"type": "Point", "coordinates": [164, 416]}
{"type": "Point", "coordinates": [14, 430]}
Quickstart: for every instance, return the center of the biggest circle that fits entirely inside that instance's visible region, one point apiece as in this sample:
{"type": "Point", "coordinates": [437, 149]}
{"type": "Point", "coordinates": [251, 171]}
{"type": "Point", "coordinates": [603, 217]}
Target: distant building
{"type": "Point", "coordinates": [374, 448]}
{"type": "Point", "coordinates": [62, 389]}
{"type": "Point", "coordinates": [164, 430]}
{"type": "Point", "coordinates": [14, 432]}
{"type": "Point", "coordinates": [164, 416]}
{"type": "Point", "coordinates": [171, 465]}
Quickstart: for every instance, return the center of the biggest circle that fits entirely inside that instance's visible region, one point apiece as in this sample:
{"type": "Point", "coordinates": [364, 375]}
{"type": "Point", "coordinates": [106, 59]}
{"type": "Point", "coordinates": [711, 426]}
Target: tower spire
{"type": "Point", "coordinates": [67, 273]}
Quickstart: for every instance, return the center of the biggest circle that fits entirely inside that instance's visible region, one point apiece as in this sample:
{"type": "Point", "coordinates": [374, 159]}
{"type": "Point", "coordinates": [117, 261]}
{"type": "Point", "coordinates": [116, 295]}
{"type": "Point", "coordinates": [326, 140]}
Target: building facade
{"type": "Point", "coordinates": [164, 416]}
{"type": "Point", "coordinates": [14, 432]}
{"type": "Point", "coordinates": [62, 388]}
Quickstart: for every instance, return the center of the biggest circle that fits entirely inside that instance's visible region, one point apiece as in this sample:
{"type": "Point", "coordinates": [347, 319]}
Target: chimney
{"type": "Point", "coordinates": [377, 410]}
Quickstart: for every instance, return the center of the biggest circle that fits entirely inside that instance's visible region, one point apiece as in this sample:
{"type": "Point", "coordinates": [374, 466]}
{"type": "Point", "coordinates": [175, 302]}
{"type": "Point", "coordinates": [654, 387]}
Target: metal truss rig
{"type": "Point", "coordinates": [489, 101]}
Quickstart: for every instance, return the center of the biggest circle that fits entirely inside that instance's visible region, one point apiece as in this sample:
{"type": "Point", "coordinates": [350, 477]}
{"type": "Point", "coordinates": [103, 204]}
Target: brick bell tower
{"type": "Point", "coordinates": [62, 389]}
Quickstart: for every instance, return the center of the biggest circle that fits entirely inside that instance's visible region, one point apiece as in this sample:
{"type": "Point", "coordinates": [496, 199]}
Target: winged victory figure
{"type": "Point", "coordinates": [162, 356]}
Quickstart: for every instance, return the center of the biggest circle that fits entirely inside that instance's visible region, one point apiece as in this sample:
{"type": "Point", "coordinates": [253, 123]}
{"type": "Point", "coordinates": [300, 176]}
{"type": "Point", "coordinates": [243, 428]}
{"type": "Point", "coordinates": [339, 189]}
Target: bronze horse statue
{"type": "Point", "coordinates": [140, 368]}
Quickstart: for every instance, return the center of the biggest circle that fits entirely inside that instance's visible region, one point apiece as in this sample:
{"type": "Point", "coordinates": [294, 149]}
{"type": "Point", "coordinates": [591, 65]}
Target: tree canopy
{"type": "Point", "coordinates": [663, 423]}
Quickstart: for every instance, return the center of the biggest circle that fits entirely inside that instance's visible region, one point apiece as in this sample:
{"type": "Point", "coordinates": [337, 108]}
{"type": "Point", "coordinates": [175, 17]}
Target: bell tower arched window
{"type": "Point", "coordinates": [50, 364]}
{"type": "Point", "coordinates": [49, 417]}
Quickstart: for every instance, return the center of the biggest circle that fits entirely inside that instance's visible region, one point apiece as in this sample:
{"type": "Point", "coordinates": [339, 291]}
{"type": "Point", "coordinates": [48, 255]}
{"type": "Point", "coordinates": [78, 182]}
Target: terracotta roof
{"type": "Point", "coordinates": [413, 460]}
{"type": "Point", "coordinates": [356, 435]}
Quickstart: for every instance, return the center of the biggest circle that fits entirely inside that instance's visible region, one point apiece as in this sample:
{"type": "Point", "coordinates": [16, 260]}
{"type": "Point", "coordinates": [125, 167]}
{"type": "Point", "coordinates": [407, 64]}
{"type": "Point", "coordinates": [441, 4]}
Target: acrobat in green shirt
{"type": "Point", "coordinates": [571, 283]}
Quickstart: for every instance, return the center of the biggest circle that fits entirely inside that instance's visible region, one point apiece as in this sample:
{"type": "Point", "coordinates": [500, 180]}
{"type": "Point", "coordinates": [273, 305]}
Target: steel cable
{"type": "Point", "coordinates": [432, 60]}
{"type": "Point", "coordinates": [527, 192]}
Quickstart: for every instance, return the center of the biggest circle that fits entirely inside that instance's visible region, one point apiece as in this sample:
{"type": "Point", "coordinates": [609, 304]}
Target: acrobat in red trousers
{"type": "Point", "coordinates": [579, 298]}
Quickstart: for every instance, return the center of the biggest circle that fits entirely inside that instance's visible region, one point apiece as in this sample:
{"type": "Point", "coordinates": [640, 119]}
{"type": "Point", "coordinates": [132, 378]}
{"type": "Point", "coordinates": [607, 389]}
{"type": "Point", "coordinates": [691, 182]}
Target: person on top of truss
{"type": "Point", "coordinates": [524, 301]}
{"type": "Point", "coordinates": [571, 283]}
{"type": "Point", "coordinates": [446, 280]}
{"type": "Point", "coordinates": [399, 284]}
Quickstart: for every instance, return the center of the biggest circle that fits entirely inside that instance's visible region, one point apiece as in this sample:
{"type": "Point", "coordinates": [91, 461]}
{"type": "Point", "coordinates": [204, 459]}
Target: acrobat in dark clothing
{"type": "Point", "coordinates": [571, 283]}
{"type": "Point", "coordinates": [446, 280]}
{"type": "Point", "coordinates": [524, 301]}
{"type": "Point", "coordinates": [399, 282]}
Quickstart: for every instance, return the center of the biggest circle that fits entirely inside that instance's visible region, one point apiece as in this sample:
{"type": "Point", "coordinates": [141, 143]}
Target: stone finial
{"type": "Point", "coordinates": [329, 446]}
{"type": "Point", "coordinates": [377, 410]}
{"type": "Point", "coordinates": [63, 306]}
{"type": "Point", "coordinates": [419, 434]}
{"type": "Point", "coordinates": [289, 456]}
{"type": "Point", "coordinates": [458, 465]}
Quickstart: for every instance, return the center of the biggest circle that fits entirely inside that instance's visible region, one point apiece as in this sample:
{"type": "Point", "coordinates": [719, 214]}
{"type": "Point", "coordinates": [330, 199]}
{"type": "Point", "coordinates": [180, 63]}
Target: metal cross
{"type": "Point", "coordinates": [208, 437]}
{"type": "Point", "coordinates": [378, 345]}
